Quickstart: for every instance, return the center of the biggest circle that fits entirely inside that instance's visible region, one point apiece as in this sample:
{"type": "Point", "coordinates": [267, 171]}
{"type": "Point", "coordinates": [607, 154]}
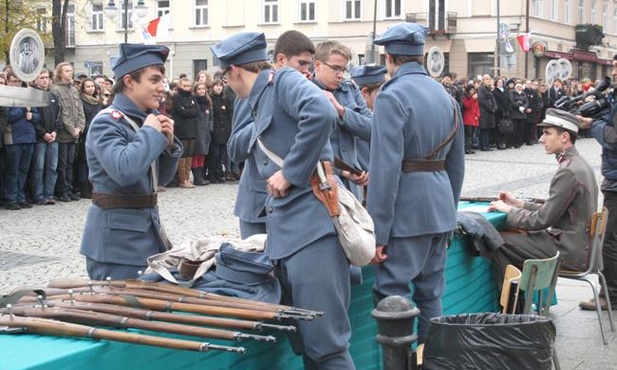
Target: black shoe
{"type": "Point", "coordinates": [12, 206]}
{"type": "Point", "coordinates": [74, 196]}
{"type": "Point", "coordinates": [25, 205]}
{"type": "Point", "coordinates": [65, 198]}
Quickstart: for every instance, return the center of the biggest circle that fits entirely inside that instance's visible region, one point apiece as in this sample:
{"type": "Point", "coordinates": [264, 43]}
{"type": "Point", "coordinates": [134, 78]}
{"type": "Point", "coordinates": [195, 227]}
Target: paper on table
{"type": "Point", "coordinates": [478, 208]}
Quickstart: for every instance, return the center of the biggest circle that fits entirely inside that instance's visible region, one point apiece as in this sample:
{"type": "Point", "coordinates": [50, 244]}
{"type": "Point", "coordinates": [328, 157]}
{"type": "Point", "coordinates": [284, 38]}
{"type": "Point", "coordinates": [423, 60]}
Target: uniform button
{"type": "Point", "coordinates": [343, 149]}
{"type": "Point", "coordinates": [265, 163]}
{"type": "Point", "coordinates": [270, 210]}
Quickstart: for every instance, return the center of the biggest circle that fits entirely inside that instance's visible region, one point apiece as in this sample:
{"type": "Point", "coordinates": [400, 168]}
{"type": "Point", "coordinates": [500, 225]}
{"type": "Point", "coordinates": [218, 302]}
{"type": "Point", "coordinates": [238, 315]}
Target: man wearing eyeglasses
{"type": "Point", "coordinates": [354, 117]}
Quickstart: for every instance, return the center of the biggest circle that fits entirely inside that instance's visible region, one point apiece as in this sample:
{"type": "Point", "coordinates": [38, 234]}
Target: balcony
{"type": "Point", "coordinates": [436, 25]}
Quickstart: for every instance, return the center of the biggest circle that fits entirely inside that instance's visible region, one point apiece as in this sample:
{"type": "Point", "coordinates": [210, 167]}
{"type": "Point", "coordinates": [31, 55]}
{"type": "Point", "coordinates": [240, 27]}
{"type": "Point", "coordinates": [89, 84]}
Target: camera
{"type": "Point", "coordinates": [593, 108]}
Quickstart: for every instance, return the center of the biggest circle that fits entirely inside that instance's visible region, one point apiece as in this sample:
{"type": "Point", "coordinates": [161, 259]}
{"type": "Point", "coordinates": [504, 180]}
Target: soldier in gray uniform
{"type": "Point", "coordinates": [354, 118]}
{"type": "Point", "coordinates": [292, 120]}
{"type": "Point", "coordinates": [292, 49]}
{"type": "Point", "coordinates": [416, 169]}
{"type": "Point", "coordinates": [129, 146]}
{"type": "Point", "coordinates": [560, 224]}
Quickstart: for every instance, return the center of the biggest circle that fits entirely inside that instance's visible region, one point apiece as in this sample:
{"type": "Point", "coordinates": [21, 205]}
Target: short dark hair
{"type": "Point", "coordinates": [615, 57]}
{"type": "Point", "coordinates": [561, 130]}
{"type": "Point", "coordinates": [256, 67]}
{"type": "Point", "coordinates": [372, 86]}
{"type": "Point", "coordinates": [447, 74]}
{"type": "Point", "coordinates": [292, 43]}
{"type": "Point", "coordinates": [398, 59]}
{"type": "Point", "coordinates": [119, 86]}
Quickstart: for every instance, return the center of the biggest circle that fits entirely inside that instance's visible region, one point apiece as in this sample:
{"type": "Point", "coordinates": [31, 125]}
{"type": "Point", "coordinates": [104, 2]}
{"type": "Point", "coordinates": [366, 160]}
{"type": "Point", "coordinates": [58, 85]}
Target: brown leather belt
{"type": "Point", "coordinates": [109, 201]}
{"type": "Point", "coordinates": [423, 165]}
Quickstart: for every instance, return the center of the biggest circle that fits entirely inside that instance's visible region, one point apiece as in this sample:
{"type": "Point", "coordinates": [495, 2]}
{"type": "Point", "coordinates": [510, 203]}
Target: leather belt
{"type": "Point", "coordinates": [423, 165]}
{"type": "Point", "coordinates": [110, 201]}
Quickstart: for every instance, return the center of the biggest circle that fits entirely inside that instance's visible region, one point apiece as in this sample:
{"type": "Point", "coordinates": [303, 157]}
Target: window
{"type": "Point", "coordinates": [271, 11]}
{"type": "Point", "coordinates": [199, 65]}
{"type": "Point", "coordinates": [567, 18]}
{"type": "Point", "coordinates": [593, 11]}
{"type": "Point", "coordinates": [70, 26]}
{"type": "Point", "coordinates": [352, 9]}
{"type": "Point", "coordinates": [615, 20]}
{"type": "Point", "coordinates": [537, 8]}
{"type": "Point", "coordinates": [162, 8]}
{"type": "Point", "coordinates": [554, 10]}
{"type": "Point", "coordinates": [201, 12]}
{"type": "Point", "coordinates": [307, 11]}
{"type": "Point", "coordinates": [605, 16]}
{"type": "Point", "coordinates": [96, 17]}
{"type": "Point", "coordinates": [581, 11]}
{"type": "Point", "coordinates": [393, 8]}
{"type": "Point", "coordinates": [480, 64]}
{"type": "Point", "coordinates": [41, 19]}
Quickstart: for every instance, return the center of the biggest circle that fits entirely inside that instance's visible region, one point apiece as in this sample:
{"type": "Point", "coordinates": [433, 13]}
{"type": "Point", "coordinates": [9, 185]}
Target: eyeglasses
{"type": "Point", "coordinates": [225, 71]}
{"type": "Point", "coordinates": [337, 69]}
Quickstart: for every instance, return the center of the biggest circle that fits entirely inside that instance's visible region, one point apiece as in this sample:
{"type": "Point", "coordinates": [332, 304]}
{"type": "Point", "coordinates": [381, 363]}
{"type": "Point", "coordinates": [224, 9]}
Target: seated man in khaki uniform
{"type": "Point", "coordinates": [562, 222]}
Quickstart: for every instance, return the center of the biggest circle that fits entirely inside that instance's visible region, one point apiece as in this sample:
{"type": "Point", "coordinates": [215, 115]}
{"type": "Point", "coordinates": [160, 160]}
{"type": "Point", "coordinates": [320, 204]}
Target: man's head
{"type": "Point", "coordinates": [369, 79]}
{"type": "Point", "coordinates": [559, 130]}
{"type": "Point", "coordinates": [64, 73]}
{"type": "Point", "coordinates": [12, 80]}
{"type": "Point", "coordinates": [447, 79]}
{"type": "Point", "coordinates": [403, 42]}
{"type": "Point", "coordinates": [331, 60]}
{"type": "Point", "coordinates": [241, 57]}
{"type": "Point", "coordinates": [293, 49]}
{"type": "Point", "coordinates": [139, 71]}
{"type": "Point", "coordinates": [42, 81]}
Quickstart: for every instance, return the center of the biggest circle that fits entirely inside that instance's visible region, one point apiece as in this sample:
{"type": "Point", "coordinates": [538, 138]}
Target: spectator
{"type": "Point", "coordinates": [221, 130]}
{"type": "Point", "coordinates": [202, 140]}
{"type": "Point", "coordinates": [92, 105]}
{"type": "Point", "coordinates": [471, 116]}
{"type": "Point", "coordinates": [185, 112]}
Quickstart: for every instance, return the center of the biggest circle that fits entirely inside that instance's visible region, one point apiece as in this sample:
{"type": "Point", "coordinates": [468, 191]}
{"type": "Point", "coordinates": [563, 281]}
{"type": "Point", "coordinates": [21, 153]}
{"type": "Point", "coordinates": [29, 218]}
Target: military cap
{"type": "Point", "coordinates": [364, 75]}
{"type": "Point", "coordinates": [403, 39]}
{"type": "Point", "coordinates": [135, 56]}
{"type": "Point", "coordinates": [241, 48]}
{"type": "Point", "coordinates": [559, 118]}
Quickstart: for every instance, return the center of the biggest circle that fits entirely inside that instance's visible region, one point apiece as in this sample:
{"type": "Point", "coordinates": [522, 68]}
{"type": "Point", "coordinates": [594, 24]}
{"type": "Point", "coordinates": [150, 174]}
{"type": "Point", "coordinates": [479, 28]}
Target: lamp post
{"type": "Point", "coordinates": [111, 11]}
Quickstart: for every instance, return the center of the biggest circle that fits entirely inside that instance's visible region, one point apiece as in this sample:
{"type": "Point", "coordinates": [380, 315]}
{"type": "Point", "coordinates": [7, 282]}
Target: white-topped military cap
{"type": "Point", "coordinates": [403, 39]}
{"type": "Point", "coordinates": [241, 48]}
{"type": "Point", "coordinates": [560, 118]}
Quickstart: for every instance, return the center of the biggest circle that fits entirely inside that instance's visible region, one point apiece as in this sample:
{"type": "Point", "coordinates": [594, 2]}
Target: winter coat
{"type": "Point", "coordinates": [518, 101]}
{"type": "Point", "coordinates": [185, 113]}
{"type": "Point", "coordinates": [221, 119]}
{"type": "Point", "coordinates": [203, 139]}
{"type": "Point", "coordinates": [503, 103]}
{"type": "Point", "coordinates": [488, 107]}
{"type": "Point", "coordinates": [471, 111]}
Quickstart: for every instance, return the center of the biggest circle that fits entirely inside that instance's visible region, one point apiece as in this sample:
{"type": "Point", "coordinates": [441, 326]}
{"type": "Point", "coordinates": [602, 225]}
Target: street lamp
{"type": "Point", "coordinates": [111, 11]}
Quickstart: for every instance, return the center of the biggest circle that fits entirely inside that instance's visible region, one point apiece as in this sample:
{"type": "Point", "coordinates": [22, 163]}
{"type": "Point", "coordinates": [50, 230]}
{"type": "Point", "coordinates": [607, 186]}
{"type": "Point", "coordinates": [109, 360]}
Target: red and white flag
{"type": "Point", "coordinates": [157, 29]}
{"type": "Point", "coordinates": [523, 40]}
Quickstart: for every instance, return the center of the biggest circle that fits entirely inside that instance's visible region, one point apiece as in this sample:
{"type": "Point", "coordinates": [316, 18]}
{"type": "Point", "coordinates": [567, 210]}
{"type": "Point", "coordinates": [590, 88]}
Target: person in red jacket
{"type": "Point", "coordinates": [471, 116]}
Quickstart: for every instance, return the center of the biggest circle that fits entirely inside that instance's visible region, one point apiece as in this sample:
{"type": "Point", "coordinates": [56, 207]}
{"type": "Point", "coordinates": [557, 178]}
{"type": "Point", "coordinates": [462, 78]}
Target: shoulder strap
{"type": "Point", "coordinates": [450, 137]}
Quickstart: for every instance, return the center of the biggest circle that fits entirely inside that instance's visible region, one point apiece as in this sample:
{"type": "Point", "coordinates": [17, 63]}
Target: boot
{"type": "Point", "coordinates": [198, 178]}
{"type": "Point", "coordinates": [182, 174]}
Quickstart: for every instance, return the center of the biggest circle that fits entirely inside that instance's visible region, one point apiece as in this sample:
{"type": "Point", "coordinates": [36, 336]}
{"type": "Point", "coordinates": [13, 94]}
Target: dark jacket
{"type": "Point", "coordinates": [185, 112]}
{"type": "Point", "coordinates": [488, 107]}
{"type": "Point", "coordinates": [221, 119]}
{"type": "Point", "coordinates": [51, 118]}
{"type": "Point", "coordinates": [518, 100]}
{"type": "Point", "coordinates": [605, 132]}
{"type": "Point", "coordinates": [18, 129]}
{"type": "Point", "coordinates": [202, 141]}
{"type": "Point", "coordinates": [503, 103]}
{"type": "Point", "coordinates": [535, 104]}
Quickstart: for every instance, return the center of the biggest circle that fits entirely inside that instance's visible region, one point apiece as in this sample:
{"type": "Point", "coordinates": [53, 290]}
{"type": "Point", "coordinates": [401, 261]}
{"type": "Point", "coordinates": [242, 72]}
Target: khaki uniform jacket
{"type": "Point", "coordinates": [565, 217]}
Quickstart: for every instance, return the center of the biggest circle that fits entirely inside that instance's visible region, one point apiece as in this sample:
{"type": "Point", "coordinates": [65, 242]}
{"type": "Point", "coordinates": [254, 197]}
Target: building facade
{"type": "Point", "coordinates": [466, 31]}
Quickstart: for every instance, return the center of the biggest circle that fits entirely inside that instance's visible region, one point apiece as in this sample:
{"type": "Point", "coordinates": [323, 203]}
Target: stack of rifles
{"type": "Point", "coordinates": [79, 308]}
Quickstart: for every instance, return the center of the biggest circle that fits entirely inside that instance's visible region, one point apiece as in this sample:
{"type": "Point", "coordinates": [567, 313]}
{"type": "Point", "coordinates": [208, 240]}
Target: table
{"type": "Point", "coordinates": [470, 288]}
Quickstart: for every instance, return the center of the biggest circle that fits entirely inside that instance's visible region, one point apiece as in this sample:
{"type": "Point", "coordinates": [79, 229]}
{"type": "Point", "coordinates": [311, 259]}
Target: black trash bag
{"type": "Point", "coordinates": [485, 341]}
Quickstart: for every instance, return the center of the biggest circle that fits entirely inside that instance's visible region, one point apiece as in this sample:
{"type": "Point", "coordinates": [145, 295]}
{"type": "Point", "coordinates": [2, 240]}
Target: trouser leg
{"type": "Point", "coordinates": [317, 278]}
{"type": "Point", "coordinates": [420, 260]}
{"type": "Point", "coordinates": [609, 248]}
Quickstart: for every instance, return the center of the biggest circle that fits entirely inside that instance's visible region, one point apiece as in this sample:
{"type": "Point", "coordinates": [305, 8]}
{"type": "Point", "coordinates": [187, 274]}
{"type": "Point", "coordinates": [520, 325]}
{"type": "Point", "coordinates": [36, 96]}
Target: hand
{"type": "Point", "coordinates": [53, 136]}
{"type": "Point", "coordinates": [585, 121]}
{"type": "Point", "coordinates": [28, 114]}
{"type": "Point", "coordinates": [509, 199]}
{"type": "Point", "coordinates": [499, 205]}
{"type": "Point", "coordinates": [380, 255]}
{"type": "Point", "coordinates": [47, 137]}
{"type": "Point", "coordinates": [76, 132]}
{"type": "Point", "coordinates": [361, 180]}
{"type": "Point", "coordinates": [154, 122]}
{"type": "Point", "coordinates": [339, 108]}
{"type": "Point", "coordinates": [521, 109]}
{"type": "Point", "coordinates": [277, 186]}
{"type": "Point", "coordinates": [167, 128]}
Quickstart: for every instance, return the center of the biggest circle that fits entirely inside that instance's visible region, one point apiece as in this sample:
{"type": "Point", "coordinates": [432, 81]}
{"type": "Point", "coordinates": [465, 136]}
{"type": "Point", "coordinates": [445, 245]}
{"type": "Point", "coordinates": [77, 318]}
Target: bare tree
{"type": "Point", "coordinates": [58, 28]}
{"type": "Point", "coordinates": [15, 15]}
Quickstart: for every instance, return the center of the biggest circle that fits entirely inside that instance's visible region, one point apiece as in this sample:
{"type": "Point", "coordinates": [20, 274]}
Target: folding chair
{"type": "Point", "coordinates": [595, 266]}
{"type": "Point", "coordinates": [509, 298]}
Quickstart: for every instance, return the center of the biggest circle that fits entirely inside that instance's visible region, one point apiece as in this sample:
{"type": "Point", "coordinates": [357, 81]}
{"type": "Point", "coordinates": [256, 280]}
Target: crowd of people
{"type": "Point", "coordinates": [42, 151]}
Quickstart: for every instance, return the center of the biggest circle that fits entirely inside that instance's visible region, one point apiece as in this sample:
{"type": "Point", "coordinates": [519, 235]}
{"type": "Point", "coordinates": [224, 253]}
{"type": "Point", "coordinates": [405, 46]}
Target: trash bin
{"type": "Point", "coordinates": [489, 341]}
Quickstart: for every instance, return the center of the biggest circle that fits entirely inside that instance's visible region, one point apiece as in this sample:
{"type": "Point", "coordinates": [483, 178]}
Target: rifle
{"type": "Point", "coordinates": [172, 289]}
{"type": "Point", "coordinates": [34, 325]}
{"type": "Point", "coordinates": [167, 306]}
{"type": "Point", "coordinates": [492, 199]}
{"type": "Point", "coordinates": [170, 317]}
{"type": "Point", "coordinates": [341, 165]}
{"type": "Point", "coordinates": [123, 322]}
{"type": "Point", "coordinates": [175, 297]}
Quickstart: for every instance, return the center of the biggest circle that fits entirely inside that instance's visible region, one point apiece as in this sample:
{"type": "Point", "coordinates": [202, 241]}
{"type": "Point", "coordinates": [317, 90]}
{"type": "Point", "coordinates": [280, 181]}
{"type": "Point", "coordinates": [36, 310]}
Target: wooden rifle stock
{"type": "Point", "coordinates": [123, 322]}
{"type": "Point", "coordinates": [57, 328]}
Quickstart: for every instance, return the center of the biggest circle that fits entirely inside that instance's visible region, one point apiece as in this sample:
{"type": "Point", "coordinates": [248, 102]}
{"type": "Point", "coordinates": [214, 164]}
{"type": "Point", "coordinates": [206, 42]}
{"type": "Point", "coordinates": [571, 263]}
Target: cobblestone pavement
{"type": "Point", "coordinates": [42, 243]}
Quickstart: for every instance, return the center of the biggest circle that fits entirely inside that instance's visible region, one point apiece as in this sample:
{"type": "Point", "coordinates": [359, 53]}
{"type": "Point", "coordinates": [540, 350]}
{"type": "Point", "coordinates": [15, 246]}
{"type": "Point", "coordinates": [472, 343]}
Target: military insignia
{"type": "Point", "coordinates": [116, 115]}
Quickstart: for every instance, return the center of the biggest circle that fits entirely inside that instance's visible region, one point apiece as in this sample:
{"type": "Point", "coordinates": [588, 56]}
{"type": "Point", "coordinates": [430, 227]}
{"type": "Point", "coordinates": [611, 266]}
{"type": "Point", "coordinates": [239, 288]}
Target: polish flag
{"type": "Point", "coordinates": [159, 27]}
{"type": "Point", "coordinates": [523, 40]}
